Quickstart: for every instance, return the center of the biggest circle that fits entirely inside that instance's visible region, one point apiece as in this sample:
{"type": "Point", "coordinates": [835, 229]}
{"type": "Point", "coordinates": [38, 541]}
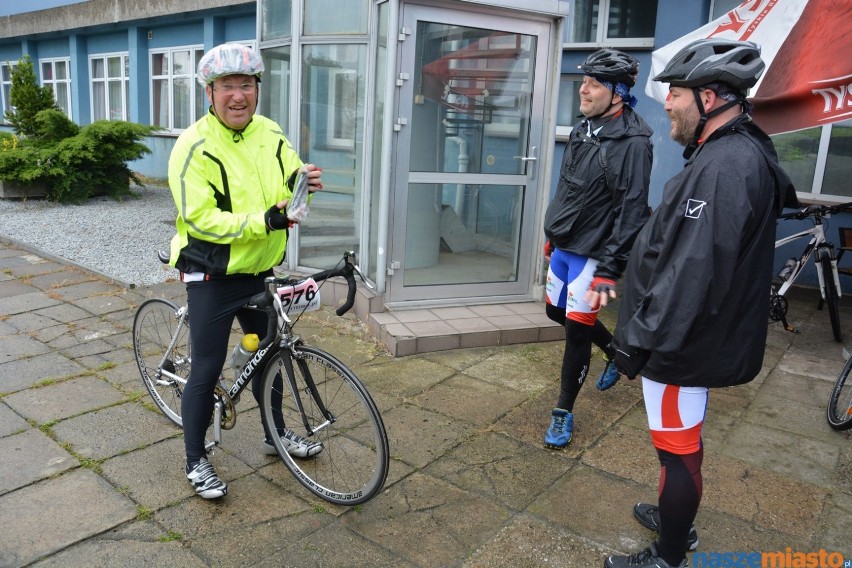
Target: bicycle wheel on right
{"type": "Point", "coordinates": [353, 464]}
{"type": "Point", "coordinates": [840, 403]}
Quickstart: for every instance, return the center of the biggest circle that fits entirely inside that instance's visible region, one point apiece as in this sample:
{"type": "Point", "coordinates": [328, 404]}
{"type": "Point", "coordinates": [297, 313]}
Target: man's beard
{"type": "Point", "coordinates": [684, 123]}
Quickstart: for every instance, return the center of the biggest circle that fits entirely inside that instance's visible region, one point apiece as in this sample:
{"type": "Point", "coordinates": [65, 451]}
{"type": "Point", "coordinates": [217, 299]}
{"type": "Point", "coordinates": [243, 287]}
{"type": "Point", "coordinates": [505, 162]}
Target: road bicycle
{"type": "Point", "coordinates": [317, 396]}
{"type": "Point", "coordinates": [840, 402]}
{"type": "Point", "coordinates": [825, 262]}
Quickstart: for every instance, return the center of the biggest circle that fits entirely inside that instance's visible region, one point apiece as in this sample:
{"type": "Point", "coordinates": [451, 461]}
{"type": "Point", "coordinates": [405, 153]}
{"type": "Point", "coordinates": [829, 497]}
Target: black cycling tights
{"type": "Point", "coordinates": [681, 486]}
{"type": "Point", "coordinates": [213, 304]}
{"type": "Point", "coordinates": [578, 353]}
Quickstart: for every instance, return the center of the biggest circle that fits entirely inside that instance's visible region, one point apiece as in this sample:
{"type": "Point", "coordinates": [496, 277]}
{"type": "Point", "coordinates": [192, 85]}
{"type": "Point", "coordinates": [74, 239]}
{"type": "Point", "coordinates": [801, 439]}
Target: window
{"type": "Point", "coordinates": [615, 23]}
{"type": "Point", "coordinates": [110, 89]}
{"type": "Point", "coordinates": [336, 17]}
{"type": "Point", "coordinates": [56, 74]}
{"type": "Point", "coordinates": [6, 69]}
{"type": "Point", "coordinates": [819, 160]}
{"type": "Point", "coordinates": [342, 108]}
{"type": "Point", "coordinates": [177, 100]}
{"type": "Point", "coordinates": [276, 19]}
{"type": "Point", "coordinates": [722, 7]}
{"type": "Point", "coordinates": [568, 105]}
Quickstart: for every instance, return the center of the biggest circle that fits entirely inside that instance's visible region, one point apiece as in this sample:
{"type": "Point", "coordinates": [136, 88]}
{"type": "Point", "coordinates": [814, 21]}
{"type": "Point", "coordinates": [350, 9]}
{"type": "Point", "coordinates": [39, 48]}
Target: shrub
{"type": "Point", "coordinates": [27, 98]}
{"type": "Point", "coordinates": [72, 162]}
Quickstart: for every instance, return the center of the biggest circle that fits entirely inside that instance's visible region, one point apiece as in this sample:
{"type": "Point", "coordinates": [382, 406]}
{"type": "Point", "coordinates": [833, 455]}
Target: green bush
{"type": "Point", "coordinates": [72, 162]}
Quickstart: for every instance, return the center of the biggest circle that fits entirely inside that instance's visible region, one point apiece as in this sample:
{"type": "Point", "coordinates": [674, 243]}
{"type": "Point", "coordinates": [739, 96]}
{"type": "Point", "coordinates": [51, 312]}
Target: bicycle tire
{"type": "Point", "coordinates": [353, 465]}
{"type": "Point", "coordinates": [831, 297]}
{"type": "Point", "coordinates": [154, 326]}
{"type": "Point", "coordinates": [839, 413]}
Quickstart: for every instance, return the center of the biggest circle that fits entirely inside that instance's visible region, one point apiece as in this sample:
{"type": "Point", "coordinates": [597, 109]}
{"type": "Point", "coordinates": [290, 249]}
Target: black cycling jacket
{"type": "Point", "coordinates": [696, 288]}
{"type": "Point", "coordinates": [590, 217]}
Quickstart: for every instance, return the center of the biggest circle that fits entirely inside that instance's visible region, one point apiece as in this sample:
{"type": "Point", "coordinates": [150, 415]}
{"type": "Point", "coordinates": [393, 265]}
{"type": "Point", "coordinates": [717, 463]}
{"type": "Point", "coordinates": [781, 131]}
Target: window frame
{"type": "Point", "coordinates": [601, 38]}
{"type": "Point", "coordinates": [563, 132]}
{"type": "Point", "coordinates": [816, 193]}
{"type": "Point", "coordinates": [5, 86]}
{"type": "Point", "coordinates": [106, 80]}
{"type": "Point", "coordinates": [195, 52]}
{"type": "Point", "coordinates": [52, 61]}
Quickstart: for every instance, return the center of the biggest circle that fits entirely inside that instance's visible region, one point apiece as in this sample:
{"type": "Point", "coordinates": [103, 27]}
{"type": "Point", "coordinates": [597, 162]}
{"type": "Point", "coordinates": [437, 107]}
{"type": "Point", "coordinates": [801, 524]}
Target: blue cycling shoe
{"type": "Point", "coordinates": [608, 377]}
{"type": "Point", "coordinates": [561, 429]}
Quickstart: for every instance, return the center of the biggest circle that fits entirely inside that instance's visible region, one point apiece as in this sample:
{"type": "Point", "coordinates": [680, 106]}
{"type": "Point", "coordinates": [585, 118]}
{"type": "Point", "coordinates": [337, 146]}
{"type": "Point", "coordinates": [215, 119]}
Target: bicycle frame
{"type": "Point", "coordinates": [816, 242]}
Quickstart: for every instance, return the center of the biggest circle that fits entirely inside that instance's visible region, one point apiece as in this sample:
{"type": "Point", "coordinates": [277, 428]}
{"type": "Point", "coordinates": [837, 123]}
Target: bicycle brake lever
{"type": "Point", "coordinates": [363, 279]}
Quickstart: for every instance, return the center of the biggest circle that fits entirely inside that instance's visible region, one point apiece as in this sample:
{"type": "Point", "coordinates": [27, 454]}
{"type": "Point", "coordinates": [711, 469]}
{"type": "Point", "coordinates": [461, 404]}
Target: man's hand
{"type": "Point", "coordinates": [629, 361]}
{"type": "Point", "coordinates": [601, 290]}
{"type": "Point", "coordinates": [314, 175]}
{"type": "Point", "coordinates": [276, 217]}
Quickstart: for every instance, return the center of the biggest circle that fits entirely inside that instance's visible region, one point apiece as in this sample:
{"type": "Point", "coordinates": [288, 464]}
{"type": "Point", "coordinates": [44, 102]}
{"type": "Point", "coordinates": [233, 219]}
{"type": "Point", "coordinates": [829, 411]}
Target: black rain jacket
{"type": "Point", "coordinates": [696, 290]}
{"type": "Point", "coordinates": [590, 217]}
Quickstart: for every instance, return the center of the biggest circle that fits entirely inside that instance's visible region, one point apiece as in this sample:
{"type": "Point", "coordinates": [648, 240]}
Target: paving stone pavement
{"type": "Point", "coordinates": [91, 473]}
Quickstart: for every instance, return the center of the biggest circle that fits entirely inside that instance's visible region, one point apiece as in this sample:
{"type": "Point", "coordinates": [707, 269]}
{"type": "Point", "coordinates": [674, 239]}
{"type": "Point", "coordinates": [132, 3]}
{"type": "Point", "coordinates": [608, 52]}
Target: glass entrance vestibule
{"type": "Point", "coordinates": [432, 124]}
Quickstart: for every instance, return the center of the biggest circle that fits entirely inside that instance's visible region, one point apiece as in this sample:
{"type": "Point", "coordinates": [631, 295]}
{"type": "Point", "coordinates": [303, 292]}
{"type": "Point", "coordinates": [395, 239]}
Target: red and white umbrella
{"type": "Point", "coordinates": [807, 47]}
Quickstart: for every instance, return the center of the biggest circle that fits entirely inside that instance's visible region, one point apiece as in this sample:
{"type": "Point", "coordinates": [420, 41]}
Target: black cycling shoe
{"type": "Point", "coordinates": [649, 517]}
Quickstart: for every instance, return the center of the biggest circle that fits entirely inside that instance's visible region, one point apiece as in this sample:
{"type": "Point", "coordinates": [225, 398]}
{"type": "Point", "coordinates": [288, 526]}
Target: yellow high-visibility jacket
{"type": "Point", "coordinates": [223, 182]}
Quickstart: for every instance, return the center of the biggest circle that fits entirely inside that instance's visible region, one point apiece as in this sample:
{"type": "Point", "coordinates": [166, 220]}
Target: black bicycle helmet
{"type": "Point", "coordinates": [612, 66]}
{"type": "Point", "coordinates": [704, 61]}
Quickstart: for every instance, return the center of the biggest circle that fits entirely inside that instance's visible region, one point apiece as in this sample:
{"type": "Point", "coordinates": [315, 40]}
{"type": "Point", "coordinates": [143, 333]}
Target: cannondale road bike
{"type": "Point", "coordinates": [318, 397]}
{"type": "Point", "coordinates": [825, 261]}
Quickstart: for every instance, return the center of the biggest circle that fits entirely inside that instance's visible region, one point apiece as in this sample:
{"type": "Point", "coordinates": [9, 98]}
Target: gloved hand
{"type": "Point", "coordinates": [629, 361]}
{"type": "Point", "coordinates": [603, 285]}
{"type": "Point", "coordinates": [276, 219]}
{"type": "Point", "coordinates": [548, 249]}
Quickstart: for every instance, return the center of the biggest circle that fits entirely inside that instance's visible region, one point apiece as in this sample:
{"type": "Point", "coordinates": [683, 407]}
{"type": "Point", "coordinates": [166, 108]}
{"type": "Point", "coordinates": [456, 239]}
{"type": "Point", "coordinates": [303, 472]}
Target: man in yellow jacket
{"type": "Point", "coordinates": [231, 175]}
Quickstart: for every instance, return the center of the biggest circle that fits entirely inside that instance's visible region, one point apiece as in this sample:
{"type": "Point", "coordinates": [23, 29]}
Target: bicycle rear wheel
{"type": "Point", "coordinates": [840, 403]}
{"type": "Point", "coordinates": [353, 464]}
{"type": "Point", "coordinates": [164, 371]}
{"type": "Point", "coordinates": [831, 296]}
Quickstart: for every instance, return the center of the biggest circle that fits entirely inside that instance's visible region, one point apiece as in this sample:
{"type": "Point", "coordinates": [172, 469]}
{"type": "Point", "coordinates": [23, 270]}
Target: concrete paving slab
{"type": "Point", "coordinates": [330, 547]}
{"type": "Point", "coordinates": [10, 288]}
{"type": "Point", "coordinates": [102, 304]}
{"type": "Point", "coordinates": [501, 469]}
{"type": "Point", "coordinates": [19, 346]}
{"type": "Point", "coordinates": [403, 377]}
{"type": "Point", "coordinates": [64, 399]}
{"type": "Point", "coordinates": [87, 289]}
{"type": "Point", "coordinates": [470, 400]}
{"type": "Point", "coordinates": [29, 323]}
{"type": "Point", "coordinates": [23, 303]}
{"type": "Point", "coordinates": [67, 276]}
{"type": "Point", "coordinates": [10, 422]}
{"type": "Point", "coordinates": [418, 436]}
{"type": "Point", "coordinates": [25, 373]}
{"type": "Point", "coordinates": [49, 516]}
{"type": "Point", "coordinates": [519, 367]}
{"type": "Point", "coordinates": [111, 431]}
{"type": "Point", "coordinates": [97, 553]}
{"type": "Point", "coordinates": [529, 542]}
{"type": "Point", "coordinates": [428, 522]}
{"type": "Point", "coordinates": [798, 457]}
{"type": "Point", "coordinates": [31, 456]}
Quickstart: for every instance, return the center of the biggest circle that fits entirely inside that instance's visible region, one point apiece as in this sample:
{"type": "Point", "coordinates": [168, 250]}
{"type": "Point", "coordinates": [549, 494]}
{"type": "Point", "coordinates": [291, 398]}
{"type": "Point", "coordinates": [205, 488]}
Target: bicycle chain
{"type": "Point", "coordinates": [229, 412]}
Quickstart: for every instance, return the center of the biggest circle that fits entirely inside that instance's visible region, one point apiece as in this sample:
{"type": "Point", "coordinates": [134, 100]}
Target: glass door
{"type": "Point", "coordinates": [467, 179]}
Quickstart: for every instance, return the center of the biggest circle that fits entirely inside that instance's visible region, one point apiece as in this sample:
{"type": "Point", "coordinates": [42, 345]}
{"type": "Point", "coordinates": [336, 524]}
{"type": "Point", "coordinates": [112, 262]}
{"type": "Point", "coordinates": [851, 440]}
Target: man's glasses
{"type": "Point", "coordinates": [244, 88]}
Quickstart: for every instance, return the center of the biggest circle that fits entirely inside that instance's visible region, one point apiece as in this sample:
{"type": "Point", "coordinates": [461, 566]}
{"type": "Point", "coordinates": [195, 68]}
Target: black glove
{"type": "Point", "coordinates": [629, 361]}
{"type": "Point", "coordinates": [276, 219]}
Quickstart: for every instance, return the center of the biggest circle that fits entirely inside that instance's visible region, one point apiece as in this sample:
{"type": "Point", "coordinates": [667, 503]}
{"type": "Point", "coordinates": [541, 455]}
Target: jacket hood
{"type": "Point", "coordinates": [785, 191]}
{"type": "Point", "coordinates": [628, 123]}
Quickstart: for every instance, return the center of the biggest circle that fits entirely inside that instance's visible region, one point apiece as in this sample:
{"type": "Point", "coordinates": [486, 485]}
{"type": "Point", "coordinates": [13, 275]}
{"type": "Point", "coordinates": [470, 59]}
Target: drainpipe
{"type": "Point", "coordinates": [464, 160]}
{"type": "Point", "coordinates": [388, 143]}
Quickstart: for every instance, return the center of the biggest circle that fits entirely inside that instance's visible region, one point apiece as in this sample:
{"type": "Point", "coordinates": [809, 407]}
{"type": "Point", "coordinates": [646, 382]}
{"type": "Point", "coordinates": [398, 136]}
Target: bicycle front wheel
{"type": "Point", "coordinates": [831, 297]}
{"type": "Point", "coordinates": [353, 464]}
{"type": "Point", "coordinates": [164, 371]}
{"type": "Point", "coordinates": [840, 403]}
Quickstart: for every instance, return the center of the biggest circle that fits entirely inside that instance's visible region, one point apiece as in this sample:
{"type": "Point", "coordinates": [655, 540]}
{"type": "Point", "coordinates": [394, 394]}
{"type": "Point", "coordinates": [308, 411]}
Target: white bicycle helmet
{"type": "Point", "coordinates": [228, 59]}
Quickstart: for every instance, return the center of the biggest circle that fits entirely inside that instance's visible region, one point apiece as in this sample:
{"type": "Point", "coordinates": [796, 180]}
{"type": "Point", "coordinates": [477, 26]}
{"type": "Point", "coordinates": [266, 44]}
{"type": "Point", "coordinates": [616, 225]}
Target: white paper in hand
{"type": "Point", "coordinates": [297, 208]}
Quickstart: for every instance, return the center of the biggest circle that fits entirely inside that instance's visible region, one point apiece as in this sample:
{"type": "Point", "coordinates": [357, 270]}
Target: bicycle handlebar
{"type": "Point", "coordinates": [816, 211]}
{"type": "Point", "coordinates": [264, 300]}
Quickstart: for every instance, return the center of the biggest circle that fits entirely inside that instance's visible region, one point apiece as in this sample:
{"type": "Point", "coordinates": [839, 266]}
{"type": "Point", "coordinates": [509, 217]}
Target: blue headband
{"type": "Point", "coordinates": [622, 91]}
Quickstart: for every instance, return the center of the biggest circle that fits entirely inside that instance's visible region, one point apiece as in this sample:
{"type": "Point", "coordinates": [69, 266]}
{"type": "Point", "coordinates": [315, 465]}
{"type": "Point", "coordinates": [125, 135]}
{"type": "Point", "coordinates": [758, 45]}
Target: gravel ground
{"type": "Point", "coordinates": [118, 239]}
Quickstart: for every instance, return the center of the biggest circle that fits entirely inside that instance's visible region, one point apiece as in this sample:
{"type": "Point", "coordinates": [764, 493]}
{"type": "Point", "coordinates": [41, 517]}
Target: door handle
{"type": "Point", "coordinates": [532, 159]}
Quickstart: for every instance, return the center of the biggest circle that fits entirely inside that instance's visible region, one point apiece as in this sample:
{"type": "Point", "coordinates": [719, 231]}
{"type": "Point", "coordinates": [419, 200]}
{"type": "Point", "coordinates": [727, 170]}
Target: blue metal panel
{"type": "Point", "coordinates": [53, 48]}
{"type": "Point", "coordinates": [107, 43]}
